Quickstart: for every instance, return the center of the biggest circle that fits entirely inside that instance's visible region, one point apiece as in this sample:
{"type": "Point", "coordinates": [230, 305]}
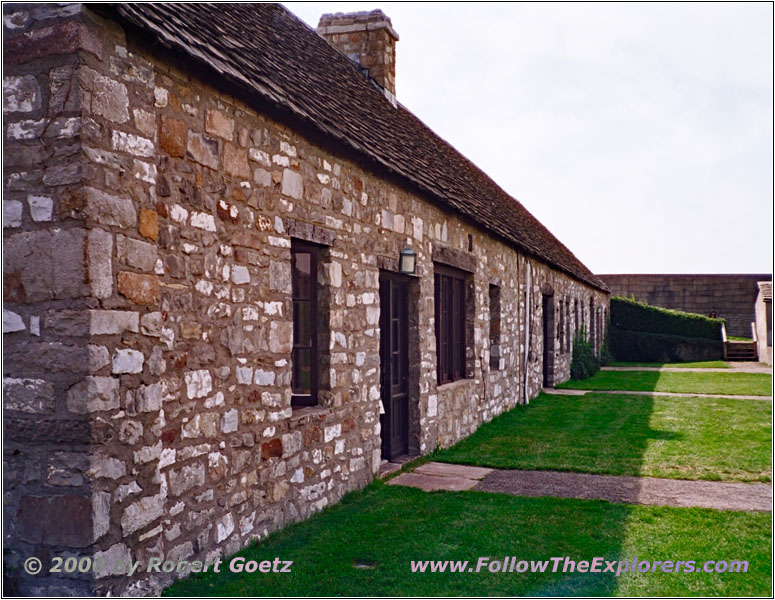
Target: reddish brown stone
{"type": "Point", "coordinates": [224, 212]}
{"type": "Point", "coordinates": [219, 124]}
{"type": "Point", "coordinates": [63, 38]}
{"type": "Point", "coordinates": [237, 194]}
{"type": "Point", "coordinates": [235, 161]}
{"type": "Point", "coordinates": [161, 209]}
{"type": "Point", "coordinates": [348, 425]}
{"type": "Point", "coordinates": [179, 360]}
{"type": "Point", "coordinates": [243, 238]}
{"type": "Point", "coordinates": [272, 449]}
{"type": "Point", "coordinates": [172, 136]}
{"type": "Point", "coordinates": [169, 436]}
{"type": "Point", "coordinates": [140, 289]}
{"type": "Point", "coordinates": [149, 224]}
{"type": "Point", "coordinates": [254, 396]}
{"type": "Point", "coordinates": [13, 287]}
{"type": "Point", "coordinates": [312, 435]}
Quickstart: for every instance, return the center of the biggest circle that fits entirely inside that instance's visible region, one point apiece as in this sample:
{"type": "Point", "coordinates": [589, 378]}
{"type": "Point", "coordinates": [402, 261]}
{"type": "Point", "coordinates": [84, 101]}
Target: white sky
{"type": "Point", "coordinates": [641, 135]}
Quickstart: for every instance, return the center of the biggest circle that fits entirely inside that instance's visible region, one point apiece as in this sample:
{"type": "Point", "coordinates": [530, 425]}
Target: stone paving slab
{"type": "Point", "coordinates": [451, 470]}
{"type": "Point", "coordinates": [632, 490]}
{"type": "Point", "coordinates": [430, 483]}
{"type": "Point", "coordinates": [559, 392]}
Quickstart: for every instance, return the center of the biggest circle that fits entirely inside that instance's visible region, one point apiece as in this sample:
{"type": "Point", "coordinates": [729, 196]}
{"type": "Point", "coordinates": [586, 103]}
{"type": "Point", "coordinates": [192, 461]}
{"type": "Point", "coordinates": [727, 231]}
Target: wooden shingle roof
{"type": "Point", "coordinates": [266, 51]}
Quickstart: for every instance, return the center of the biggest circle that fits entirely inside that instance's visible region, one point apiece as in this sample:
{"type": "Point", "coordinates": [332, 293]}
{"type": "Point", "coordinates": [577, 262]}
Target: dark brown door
{"type": "Point", "coordinates": [394, 364]}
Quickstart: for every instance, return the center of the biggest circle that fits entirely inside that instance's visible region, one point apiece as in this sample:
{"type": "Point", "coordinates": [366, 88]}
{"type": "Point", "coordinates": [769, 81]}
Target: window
{"type": "Point", "coordinates": [576, 315]}
{"type": "Point", "coordinates": [495, 327]}
{"type": "Point", "coordinates": [304, 383]}
{"type": "Point", "coordinates": [561, 326]}
{"type": "Point", "coordinates": [768, 318]}
{"type": "Point", "coordinates": [567, 325]}
{"type": "Point", "coordinates": [450, 300]}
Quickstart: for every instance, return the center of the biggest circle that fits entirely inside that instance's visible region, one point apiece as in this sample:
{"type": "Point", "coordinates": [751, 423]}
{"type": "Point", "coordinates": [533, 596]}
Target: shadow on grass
{"type": "Point", "coordinates": [578, 434]}
{"type": "Point", "coordinates": [587, 434]}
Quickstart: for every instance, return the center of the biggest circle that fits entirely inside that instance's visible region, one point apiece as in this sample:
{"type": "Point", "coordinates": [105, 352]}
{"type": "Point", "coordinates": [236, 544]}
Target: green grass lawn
{"type": "Point", "coordinates": [755, 384]}
{"type": "Point", "coordinates": [704, 364]}
{"type": "Point", "coordinates": [678, 438]}
{"type": "Point", "coordinates": [386, 527]}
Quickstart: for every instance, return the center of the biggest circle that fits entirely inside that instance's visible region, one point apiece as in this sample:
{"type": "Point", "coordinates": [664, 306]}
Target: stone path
{"type": "Point", "coordinates": [442, 476]}
{"type": "Point", "coordinates": [559, 392]}
{"type": "Point", "coordinates": [632, 490]}
{"type": "Point", "coordinates": [743, 368]}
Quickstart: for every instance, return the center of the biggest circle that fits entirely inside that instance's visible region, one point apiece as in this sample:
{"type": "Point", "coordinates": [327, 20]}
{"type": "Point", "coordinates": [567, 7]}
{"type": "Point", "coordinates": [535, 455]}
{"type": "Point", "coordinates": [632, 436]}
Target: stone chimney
{"type": "Point", "coordinates": [369, 39]}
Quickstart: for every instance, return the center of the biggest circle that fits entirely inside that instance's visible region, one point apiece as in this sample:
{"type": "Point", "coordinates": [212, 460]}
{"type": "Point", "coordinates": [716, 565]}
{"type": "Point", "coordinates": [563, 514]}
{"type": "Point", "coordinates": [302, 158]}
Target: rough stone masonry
{"type": "Point", "coordinates": [148, 219]}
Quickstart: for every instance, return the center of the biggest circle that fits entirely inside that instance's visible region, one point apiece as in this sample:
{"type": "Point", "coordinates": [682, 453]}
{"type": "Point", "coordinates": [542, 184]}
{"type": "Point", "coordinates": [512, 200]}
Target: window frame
{"type": "Point", "coordinates": [450, 290]}
{"type": "Point", "coordinates": [302, 399]}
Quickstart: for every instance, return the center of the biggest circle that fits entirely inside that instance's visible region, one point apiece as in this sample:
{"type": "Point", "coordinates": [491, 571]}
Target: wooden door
{"type": "Point", "coordinates": [394, 364]}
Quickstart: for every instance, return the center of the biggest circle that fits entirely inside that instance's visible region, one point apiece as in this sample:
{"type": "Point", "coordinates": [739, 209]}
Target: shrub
{"type": "Point", "coordinates": [606, 356]}
{"type": "Point", "coordinates": [583, 363]}
{"type": "Point", "coordinates": [639, 346]}
{"type": "Point", "coordinates": [632, 315]}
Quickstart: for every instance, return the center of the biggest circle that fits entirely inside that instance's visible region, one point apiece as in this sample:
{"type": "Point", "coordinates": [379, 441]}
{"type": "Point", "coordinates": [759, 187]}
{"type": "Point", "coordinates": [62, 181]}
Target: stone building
{"type": "Point", "coordinates": [206, 332]}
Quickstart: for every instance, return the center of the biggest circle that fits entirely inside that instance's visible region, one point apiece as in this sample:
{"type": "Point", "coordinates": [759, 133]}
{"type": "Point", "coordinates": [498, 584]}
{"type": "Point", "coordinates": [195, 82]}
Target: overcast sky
{"type": "Point", "coordinates": [639, 134]}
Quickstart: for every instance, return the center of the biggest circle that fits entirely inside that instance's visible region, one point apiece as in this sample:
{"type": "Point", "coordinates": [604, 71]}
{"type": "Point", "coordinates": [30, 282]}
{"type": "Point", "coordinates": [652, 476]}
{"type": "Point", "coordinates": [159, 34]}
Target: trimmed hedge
{"type": "Point", "coordinates": [639, 346]}
{"type": "Point", "coordinates": [632, 315]}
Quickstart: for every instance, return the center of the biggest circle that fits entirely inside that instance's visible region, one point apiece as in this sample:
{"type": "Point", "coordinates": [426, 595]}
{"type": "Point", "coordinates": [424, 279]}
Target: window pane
{"type": "Point", "coordinates": [304, 356]}
{"type": "Point", "coordinates": [301, 275]}
{"type": "Point", "coordinates": [302, 323]}
{"type": "Point", "coordinates": [302, 371]}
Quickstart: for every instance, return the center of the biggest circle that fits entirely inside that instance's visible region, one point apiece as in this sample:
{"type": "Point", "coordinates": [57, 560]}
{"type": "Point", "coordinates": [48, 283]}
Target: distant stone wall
{"type": "Point", "coordinates": [731, 297]}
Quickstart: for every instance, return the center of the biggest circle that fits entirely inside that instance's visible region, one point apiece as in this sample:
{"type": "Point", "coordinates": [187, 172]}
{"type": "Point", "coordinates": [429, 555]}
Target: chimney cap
{"type": "Point", "coordinates": [334, 23]}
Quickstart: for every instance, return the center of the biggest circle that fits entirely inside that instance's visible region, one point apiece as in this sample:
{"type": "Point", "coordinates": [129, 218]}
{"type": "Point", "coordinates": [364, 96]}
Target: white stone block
{"type": "Point", "coordinates": [128, 361]}
{"type": "Point", "coordinates": [41, 207]}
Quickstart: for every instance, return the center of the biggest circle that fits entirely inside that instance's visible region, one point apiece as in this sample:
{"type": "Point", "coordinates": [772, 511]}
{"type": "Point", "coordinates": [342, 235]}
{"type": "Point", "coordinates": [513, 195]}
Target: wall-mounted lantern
{"type": "Point", "coordinates": [407, 262]}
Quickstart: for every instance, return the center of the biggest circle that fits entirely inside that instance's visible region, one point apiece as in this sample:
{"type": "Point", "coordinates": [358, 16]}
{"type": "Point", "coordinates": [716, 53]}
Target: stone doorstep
{"type": "Point", "coordinates": [450, 470]}
{"type": "Point", "coordinates": [386, 468]}
{"type": "Point", "coordinates": [430, 483]}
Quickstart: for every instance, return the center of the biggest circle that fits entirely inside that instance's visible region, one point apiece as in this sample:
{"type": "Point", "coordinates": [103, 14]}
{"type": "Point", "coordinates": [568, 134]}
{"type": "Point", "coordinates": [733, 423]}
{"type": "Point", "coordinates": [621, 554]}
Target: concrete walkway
{"type": "Point", "coordinates": [743, 368]}
{"type": "Point", "coordinates": [631, 490]}
{"type": "Point", "coordinates": [559, 392]}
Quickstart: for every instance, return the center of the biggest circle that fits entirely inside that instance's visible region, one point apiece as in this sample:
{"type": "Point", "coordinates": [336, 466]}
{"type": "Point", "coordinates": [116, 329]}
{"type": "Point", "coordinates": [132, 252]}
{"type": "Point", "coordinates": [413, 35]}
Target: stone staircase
{"type": "Point", "coordinates": [737, 350]}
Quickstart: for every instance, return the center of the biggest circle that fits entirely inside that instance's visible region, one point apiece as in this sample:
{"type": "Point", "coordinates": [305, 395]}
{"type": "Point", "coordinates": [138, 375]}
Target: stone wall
{"type": "Point", "coordinates": [148, 314]}
{"type": "Point", "coordinates": [731, 297]}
